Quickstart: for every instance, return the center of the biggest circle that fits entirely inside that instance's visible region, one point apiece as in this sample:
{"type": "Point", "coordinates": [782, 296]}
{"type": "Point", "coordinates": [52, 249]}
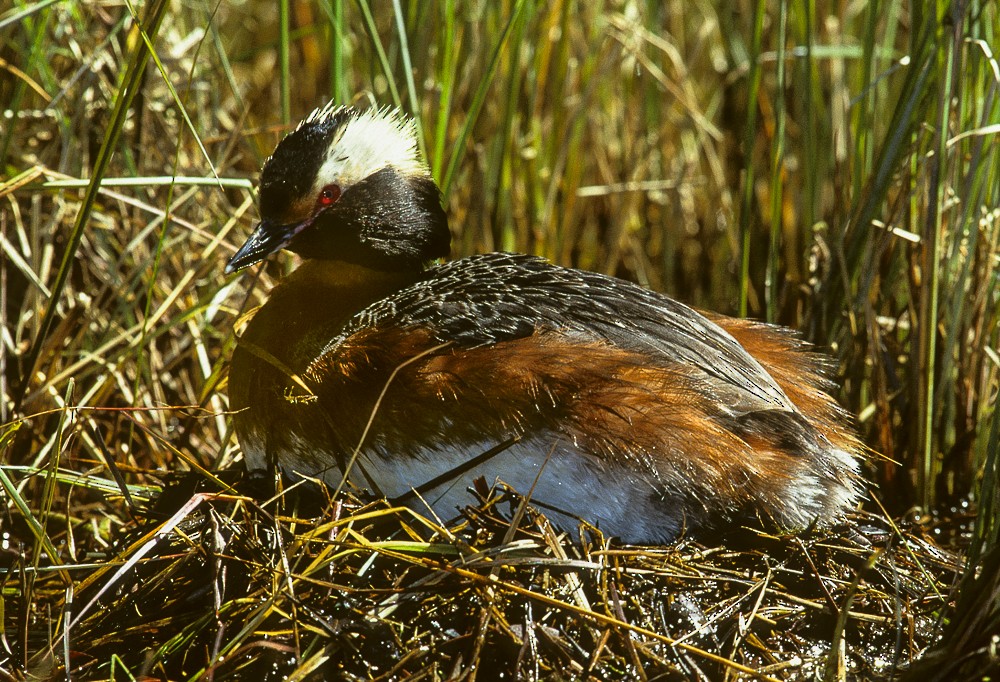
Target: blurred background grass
{"type": "Point", "coordinates": [829, 166]}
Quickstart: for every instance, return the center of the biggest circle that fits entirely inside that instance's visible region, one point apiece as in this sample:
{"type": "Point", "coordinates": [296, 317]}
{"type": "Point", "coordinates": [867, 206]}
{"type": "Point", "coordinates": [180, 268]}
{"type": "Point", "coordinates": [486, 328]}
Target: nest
{"type": "Point", "coordinates": [212, 584]}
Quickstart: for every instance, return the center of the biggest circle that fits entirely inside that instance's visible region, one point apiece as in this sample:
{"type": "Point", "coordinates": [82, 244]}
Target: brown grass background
{"type": "Point", "coordinates": [833, 167]}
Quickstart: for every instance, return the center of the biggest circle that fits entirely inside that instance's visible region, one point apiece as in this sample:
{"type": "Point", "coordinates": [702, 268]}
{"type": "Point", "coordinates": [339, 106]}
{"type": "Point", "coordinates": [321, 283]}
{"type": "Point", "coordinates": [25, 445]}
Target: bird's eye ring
{"type": "Point", "coordinates": [328, 195]}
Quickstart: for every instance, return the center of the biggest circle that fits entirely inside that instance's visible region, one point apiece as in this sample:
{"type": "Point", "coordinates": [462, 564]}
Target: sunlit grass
{"type": "Point", "coordinates": [843, 180]}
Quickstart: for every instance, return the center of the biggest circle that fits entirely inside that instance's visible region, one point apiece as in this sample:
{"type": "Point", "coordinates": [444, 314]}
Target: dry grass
{"type": "Point", "coordinates": [845, 180]}
{"type": "Point", "coordinates": [227, 588]}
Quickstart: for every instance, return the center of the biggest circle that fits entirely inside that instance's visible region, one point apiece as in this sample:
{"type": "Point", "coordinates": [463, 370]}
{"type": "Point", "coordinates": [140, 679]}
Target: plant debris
{"type": "Point", "coordinates": [225, 587]}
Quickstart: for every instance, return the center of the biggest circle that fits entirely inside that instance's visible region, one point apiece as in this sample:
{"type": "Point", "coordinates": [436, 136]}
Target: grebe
{"type": "Point", "coordinates": [605, 401]}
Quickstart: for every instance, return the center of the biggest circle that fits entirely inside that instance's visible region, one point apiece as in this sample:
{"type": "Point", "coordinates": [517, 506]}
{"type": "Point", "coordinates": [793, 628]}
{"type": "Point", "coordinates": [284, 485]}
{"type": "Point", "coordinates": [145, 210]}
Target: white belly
{"type": "Point", "coordinates": [565, 483]}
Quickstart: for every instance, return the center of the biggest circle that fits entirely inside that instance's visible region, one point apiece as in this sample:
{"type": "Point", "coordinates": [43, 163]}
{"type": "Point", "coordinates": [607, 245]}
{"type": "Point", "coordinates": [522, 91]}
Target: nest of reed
{"type": "Point", "coordinates": [206, 582]}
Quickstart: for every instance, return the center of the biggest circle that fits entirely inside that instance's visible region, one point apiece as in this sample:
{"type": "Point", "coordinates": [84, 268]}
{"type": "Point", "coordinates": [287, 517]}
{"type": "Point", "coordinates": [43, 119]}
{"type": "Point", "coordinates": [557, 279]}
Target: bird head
{"type": "Point", "coordinates": [348, 184]}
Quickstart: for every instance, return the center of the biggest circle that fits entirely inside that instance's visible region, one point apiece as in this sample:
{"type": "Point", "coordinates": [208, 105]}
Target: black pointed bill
{"type": "Point", "coordinates": [268, 238]}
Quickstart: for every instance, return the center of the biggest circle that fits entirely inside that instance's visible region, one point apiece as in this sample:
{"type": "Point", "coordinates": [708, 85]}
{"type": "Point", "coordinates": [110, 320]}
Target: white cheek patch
{"type": "Point", "coordinates": [373, 140]}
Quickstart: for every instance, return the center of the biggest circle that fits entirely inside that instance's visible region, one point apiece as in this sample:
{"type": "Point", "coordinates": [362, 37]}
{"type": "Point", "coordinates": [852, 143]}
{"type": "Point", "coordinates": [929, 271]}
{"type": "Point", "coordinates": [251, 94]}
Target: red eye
{"type": "Point", "coordinates": [328, 195]}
